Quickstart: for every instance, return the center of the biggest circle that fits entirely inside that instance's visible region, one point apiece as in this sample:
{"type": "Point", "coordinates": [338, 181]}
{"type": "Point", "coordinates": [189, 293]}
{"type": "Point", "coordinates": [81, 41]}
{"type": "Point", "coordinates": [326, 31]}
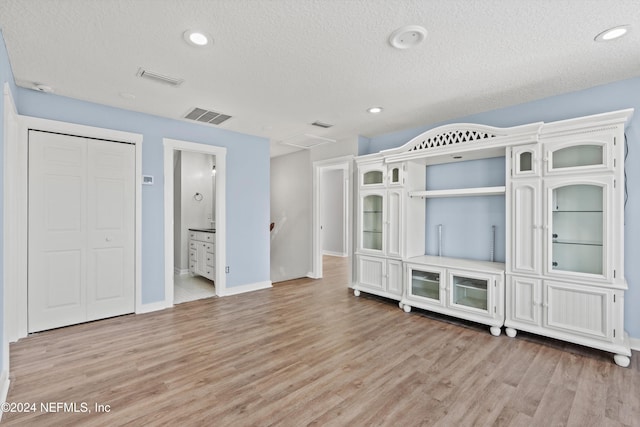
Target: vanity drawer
{"type": "Point", "coordinates": [209, 247]}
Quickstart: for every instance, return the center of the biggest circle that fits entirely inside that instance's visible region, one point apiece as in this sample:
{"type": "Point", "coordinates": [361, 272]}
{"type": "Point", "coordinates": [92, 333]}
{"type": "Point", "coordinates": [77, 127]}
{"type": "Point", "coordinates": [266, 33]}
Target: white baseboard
{"type": "Point", "coordinates": [153, 306]}
{"type": "Point", "coordinates": [311, 275]}
{"type": "Point", "coordinates": [332, 253]}
{"type": "Point", "coordinates": [235, 290]}
{"type": "Point", "coordinates": [180, 272]}
{"type": "Point", "coordinates": [4, 388]}
{"type": "Point", "coordinates": [634, 343]}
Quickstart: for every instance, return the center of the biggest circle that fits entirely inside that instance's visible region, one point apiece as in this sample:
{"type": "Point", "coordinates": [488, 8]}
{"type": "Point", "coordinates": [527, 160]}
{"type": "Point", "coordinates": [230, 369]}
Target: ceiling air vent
{"type": "Point", "coordinates": [307, 141]}
{"type": "Point", "coordinates": [206, 116]}
{"type": "Point", "coordinates": [321, 125]}
{"type": "Point", "coordinates": [159, 78]}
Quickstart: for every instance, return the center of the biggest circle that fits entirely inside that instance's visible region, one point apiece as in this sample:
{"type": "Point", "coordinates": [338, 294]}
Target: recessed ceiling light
{"type": "Point", "coordinates": [612, 33]}
{"type": "Point", "coordinates": [407, 36]}
{"type": "Point", "coordinates": [196, 38]}
{"type": "Point", "coordinates": [375, 110]}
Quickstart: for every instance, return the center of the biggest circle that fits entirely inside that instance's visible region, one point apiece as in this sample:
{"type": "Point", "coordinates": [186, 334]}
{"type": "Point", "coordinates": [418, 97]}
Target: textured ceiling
{"type": "Point", "coordinates": [278, 65]}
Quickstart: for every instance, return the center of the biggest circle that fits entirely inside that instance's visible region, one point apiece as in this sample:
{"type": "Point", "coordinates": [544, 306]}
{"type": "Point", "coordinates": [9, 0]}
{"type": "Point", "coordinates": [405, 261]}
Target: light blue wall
{"type": "Point", "coordinates": [453, 213]}
{"type": "Point", "coordinates": [247, 200]}
{"type": "Point", "coordinates": [614, 96]}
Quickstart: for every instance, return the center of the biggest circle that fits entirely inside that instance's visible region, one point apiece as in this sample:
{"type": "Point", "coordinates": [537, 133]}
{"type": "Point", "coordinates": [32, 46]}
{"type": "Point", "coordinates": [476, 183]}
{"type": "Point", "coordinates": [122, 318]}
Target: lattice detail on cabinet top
{"type": "Point", "coordinates": [461, 136]}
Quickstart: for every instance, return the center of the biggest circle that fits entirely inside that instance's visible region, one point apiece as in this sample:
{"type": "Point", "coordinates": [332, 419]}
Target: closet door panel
{"type": "Point", "coordinates": [111, 224]}
{"type": "Point", "coordinates": [57, 228]}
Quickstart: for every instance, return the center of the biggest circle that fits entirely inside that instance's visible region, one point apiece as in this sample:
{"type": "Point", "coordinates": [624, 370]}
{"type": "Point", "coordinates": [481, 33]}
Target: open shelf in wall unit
{"type": "Point", "coordinates": [460, 192]}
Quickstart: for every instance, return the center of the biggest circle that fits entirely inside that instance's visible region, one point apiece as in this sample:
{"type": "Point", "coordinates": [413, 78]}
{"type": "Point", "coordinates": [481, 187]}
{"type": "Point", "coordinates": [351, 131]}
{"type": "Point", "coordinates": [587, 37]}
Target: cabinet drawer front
{"type": "Point", "coordinates": [209, 247]}
{"type": "Point", "coordinates": [193, 234]}
{"type": "Point", "coordinates": [192, 255]}
{"type": "Point", "coordinates": [210, 259]}
{"type": "Point", "coordinates": [193, 244]}
{"type": "Point", "coordinates": [208, 237]}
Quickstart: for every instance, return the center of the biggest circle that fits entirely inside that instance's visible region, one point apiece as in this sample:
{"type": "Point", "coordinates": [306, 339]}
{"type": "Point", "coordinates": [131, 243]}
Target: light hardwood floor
{"type": "Point", "coordinates": [307, 352]}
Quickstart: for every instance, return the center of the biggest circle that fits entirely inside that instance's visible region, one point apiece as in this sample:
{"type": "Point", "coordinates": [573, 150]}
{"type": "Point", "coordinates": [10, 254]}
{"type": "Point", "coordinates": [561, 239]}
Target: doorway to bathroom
{"type": "Point", "coordinates": [194, 221]}
{"type": "Point", "coordinates": [194, 225]}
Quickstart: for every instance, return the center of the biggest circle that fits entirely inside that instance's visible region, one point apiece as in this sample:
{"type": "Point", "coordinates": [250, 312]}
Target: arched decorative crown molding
{"type": "Point", "coordinates": [464, 137]}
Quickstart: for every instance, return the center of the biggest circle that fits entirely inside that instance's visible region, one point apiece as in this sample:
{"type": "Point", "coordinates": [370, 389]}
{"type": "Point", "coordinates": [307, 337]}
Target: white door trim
{"type": "Point", "coordinates": [16, 212]}
{"type": "Point", "coordinates": [344, 163]}
{"type": "Point", "coordinates": [170, 145]}
{"type": "Point", "coordinates": [9, 242]}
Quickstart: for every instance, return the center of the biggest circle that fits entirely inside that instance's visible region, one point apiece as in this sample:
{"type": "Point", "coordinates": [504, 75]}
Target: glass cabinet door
{"type": "Point", "coordinates": [525, 160]}
{"type": "Point", "coordinates": [372, 177]}
{"type": "Point", "coordinates": [568, 156]}
{"type": "Point", "coordinates": [577, 228]}
{"type": "Point", "coordinates": [395, 174]}
{"type": "Point", "coordinates": [469, 292]}
{"type": "Point", "coordinates": [372, 221]}
{"type": "Point", "coordinates": [425, 284]}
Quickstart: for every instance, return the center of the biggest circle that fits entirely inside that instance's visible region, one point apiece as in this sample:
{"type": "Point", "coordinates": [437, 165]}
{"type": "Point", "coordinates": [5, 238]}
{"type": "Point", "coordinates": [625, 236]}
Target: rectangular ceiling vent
{"type": "Point", "coordinates": [206, 116]}
{"type": "Point", "coordinates": [321, 125]}
{"type": "Point", "coordinates": [307, 141]}
{"type": "Point", "coordinates": [159, 78]}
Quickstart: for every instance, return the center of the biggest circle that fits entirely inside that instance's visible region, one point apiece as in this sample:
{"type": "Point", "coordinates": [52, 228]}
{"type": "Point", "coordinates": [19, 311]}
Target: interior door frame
{"type": "Point", "coordinates": [344, 163]}
{"type": "Point", "coordinates": [171, 145]}
{"type": "Point", "coordinates": [16, 212]}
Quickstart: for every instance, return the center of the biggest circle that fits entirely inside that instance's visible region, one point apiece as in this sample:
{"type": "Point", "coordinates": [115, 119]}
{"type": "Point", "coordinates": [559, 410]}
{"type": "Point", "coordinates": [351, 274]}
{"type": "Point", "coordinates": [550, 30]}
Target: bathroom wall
{"type": "Point", "coordinates": [196, 177]}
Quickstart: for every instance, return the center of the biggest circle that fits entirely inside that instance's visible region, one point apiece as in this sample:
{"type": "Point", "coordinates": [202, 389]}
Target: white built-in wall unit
{"type": "Point", "coordinates": [527, 232]}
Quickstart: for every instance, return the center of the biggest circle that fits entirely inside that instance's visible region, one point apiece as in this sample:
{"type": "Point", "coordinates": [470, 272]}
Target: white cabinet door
{"type": "Point", "coordinates": [578, 310]}
{"type": "Point", "coordinates": [394, 223]}
{"type": "Point", "coordinates": [526, 226]}
{"type": "Point", "coordinates": [394, 277]}
{"type": "Point", "coordinates": [380, 276]}
{"type": "Point", "coordinates": [525, 297]}
{"type": "Point", "coordinates": [81, 230]}
{"type": "Point", "coordinates": [371, 272]}
{"type": "Point", "coordinates": [201, 258]}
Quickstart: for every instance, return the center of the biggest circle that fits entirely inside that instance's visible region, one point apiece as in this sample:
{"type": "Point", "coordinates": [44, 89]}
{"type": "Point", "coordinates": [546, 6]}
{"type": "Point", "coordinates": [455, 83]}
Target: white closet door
{"type": "Point", "coordinates": [57, 231]}
{"type": "Point", "coordinates": [111, 237]}
{"type": "Point", "coordinates": [81, 230]}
